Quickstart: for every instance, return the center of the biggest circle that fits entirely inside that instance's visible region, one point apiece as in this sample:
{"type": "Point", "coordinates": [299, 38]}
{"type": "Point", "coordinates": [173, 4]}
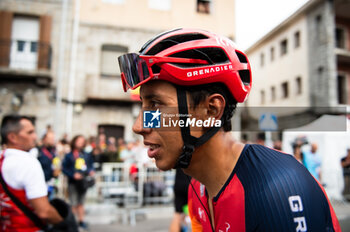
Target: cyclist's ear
{"type": "Point", "coordinates": [215, 104]}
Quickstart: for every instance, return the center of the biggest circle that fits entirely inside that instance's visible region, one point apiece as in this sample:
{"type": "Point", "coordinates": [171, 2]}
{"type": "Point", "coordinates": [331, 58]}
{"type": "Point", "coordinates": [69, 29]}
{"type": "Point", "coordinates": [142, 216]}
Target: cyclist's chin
{"type": "Point", "coordinates": [164, 164]}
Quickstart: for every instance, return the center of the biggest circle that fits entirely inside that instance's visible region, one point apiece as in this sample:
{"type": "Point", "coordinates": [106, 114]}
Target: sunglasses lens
{"type": "Point", "coordinates": [134, 68]}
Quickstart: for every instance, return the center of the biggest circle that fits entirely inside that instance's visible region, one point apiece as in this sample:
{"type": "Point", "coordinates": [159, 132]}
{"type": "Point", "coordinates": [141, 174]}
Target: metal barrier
{"type": "Point", "coordinates": [133, 185]}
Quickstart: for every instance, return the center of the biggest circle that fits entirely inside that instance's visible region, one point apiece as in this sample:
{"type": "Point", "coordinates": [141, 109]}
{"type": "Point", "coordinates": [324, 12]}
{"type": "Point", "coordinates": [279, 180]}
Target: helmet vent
{"type": "Point", "coordinates": [245, 76]}
{"type": "Point", "coordinates": [174, 40]}
{"type": "Point", "coordinates": [155, 69]}
{"type": "Point", "coordinates": [241, 57]}
{"type": "Point", "coordinates": [213, 55]}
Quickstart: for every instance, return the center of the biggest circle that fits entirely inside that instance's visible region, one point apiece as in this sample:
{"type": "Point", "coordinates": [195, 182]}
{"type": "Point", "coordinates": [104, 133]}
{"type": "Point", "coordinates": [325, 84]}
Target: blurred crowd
{"type": "Point", "coordinates": [70, 165]}
{"type": "Point", "coordinates": [307, 153]}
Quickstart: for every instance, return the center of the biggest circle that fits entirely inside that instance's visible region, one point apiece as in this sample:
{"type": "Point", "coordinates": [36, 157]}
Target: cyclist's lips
{"type": "Point", "coordinates": [153, 149]}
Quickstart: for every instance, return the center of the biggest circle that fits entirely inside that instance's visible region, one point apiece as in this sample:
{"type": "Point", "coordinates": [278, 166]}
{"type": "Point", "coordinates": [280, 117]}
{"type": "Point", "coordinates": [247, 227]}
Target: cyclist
{"type": "Point", "coordinates": [191, 81]}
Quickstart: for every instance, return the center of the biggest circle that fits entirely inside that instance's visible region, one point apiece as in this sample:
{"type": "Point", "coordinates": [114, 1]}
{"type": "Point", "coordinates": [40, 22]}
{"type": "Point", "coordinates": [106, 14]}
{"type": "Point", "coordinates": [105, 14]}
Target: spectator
{"type": "Point", "coordinates": [76, 166]}
{"type": "Point", "coordinates": [23, 177]}
{"type": "Point", "coordinates": [62, 146]}
{"type": "Point", "coordinates": [277, 145]}
{"type": "Point", "coordinates": [345, 163]}
{"type": "Point", "coordinates": [91, 144]}
{"type": "Point", "coordinates": [312, 161]}
{"type": "Point", "coordinates": [49, 161]}
{"type": "Point", "coordinates": [121, 145]}
{"type": "Point", "coordinates": [297, 145]}
{"type": "Point", "coordinates": [111, 144]}
{"type": "Point", "coordinates": [127, 155]}
{"type": "Point", "coordinates": [102, 141]}
{"type": "Point", "coordinates": [98, 158]}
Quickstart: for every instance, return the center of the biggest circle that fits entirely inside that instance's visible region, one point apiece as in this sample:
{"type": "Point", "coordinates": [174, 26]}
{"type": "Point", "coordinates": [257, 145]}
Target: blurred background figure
{"type": "Point", "coordinates": [127, 155]}
{"type": "Point", "coordinates": [277, 145]}
{"type": "Point", "coordinates": [102, 141]}
{"type": "Point", "coordinates": [121, 145]}
{"type": "Point", "coordinates": [77, 166]}
{"type": "Point", "coordinates": [50, 162]}
{"type": "Point", "coordinates": [90, 144]}
{"type": "Point", "coordinates": [312, 161]}
{"type": "Point", "coordinates": [182, 181]}
{"type": "Point", "coordinates": [297, 145]}
{"type": "Point", "coordinates": [345, 163]}
{"type": "Point", "coordinates": [63, 146]}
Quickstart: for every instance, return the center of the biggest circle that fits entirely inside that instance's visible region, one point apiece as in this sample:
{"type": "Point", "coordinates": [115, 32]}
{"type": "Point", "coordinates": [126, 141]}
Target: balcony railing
{"type": "Point", "coordinates": [25, 55]}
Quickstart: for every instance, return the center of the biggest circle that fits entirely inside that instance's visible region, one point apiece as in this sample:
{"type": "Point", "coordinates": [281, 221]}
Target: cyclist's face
{"type": "Point", "coordinates": [164, 144]}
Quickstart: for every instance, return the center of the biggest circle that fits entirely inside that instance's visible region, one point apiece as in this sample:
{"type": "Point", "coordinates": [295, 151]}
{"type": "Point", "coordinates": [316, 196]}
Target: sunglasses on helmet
{"type": "Point", "coordinates": [137, 69]}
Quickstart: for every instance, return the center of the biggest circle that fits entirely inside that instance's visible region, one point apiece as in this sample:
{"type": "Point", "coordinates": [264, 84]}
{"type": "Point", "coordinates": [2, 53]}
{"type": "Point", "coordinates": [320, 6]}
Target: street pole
{"type": "Point", "coordinates": [72, 73]}
{"type": "Point", "coordinates": [60, 69]}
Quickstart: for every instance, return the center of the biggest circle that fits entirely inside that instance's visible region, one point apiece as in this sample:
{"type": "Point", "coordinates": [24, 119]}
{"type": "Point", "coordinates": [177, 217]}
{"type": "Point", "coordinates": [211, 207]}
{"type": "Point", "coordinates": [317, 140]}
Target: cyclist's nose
{"type": "Point", "coordinates": [138, 126]}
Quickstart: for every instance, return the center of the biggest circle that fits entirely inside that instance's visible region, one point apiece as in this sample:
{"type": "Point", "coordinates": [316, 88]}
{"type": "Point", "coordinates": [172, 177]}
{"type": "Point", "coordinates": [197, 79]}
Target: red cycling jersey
{"type": "Point", "coordinates": [267, 191]}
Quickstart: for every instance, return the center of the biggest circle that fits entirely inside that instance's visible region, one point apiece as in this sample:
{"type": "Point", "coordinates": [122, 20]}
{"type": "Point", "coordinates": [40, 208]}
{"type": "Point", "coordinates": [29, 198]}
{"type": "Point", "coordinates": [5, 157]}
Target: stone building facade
{"type": "Point", "coordinates": [81, 92]}
{"type": "Point", "coordinates": [301, 67]}
{"type": "Point", "coordinates": [29, 54]}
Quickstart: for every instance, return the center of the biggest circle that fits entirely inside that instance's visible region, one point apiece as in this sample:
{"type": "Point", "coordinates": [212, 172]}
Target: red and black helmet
{"type": "Point", "coordinates": [188, 57]}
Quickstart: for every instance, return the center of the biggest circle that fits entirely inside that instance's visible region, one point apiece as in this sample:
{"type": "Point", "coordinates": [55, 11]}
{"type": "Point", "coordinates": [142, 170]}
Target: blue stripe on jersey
{"type": "Point", "coordinates": [280, 194]}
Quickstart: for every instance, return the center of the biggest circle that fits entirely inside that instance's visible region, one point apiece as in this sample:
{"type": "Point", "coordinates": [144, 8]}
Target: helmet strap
{"type": "Point", "coordinates": [190, 142]}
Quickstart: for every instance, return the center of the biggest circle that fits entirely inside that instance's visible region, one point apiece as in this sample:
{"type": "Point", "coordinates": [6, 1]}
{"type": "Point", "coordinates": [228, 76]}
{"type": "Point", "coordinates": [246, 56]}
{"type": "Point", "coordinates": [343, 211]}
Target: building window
{"type": "Point", "coordinates": [262, 59]}
{"type": "Point", "coordinates": [285, 90]}
{"type": "Point", "coordinates": [272, 53]}
{"type": "Point", "coordinates": [203, 6]}
{"type": "Point", "coordinates": [273, 93]}
{"type": "Point", "coordinates": [110, 53]}
{"type": "Point", "coordinates": [284, 47]}
{"type": "Point", "coordinates": [298, 85]}
{"type": "Point", "coordinates": [297, 39]}
{"type": "Point", "coordinates": [340, 37]}
{"type": "Point", "coordinates": [341, 85]}
{"type": "Point", "coordinates": [164, 5]}
{"type": "Point", "coordinates": [25, 37]}
{"type": "Point", "coordinates": [262, 97]}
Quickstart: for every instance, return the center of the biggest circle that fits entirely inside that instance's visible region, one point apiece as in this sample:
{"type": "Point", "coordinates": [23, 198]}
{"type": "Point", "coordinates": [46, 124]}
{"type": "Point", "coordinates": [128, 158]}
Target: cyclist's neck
{"type": "Point", "coordinates": [213, 162]}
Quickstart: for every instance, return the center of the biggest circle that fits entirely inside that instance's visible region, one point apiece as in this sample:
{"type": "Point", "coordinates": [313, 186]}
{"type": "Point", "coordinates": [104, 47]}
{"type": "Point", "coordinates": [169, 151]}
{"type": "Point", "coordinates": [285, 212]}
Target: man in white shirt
{"type": "Point", "coordinates": [23, 177]}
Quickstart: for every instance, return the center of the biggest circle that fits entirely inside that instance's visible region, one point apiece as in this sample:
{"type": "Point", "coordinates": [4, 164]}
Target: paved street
{"type": "Point", "coordinates": [107, 218]}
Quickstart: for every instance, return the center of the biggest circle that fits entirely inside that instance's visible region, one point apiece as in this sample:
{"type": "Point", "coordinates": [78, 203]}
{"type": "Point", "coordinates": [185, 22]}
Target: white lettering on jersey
{"type": "Point", "coordinates": [295, 203]}
{"type": "Point", "coordinates": [301, 224]}
{"type": "Point", "coordinates": [201, 214]}
{"type": "Point", "coordinates": [296, 206]}
{"type": "Point", "coordinates": [228, 226]}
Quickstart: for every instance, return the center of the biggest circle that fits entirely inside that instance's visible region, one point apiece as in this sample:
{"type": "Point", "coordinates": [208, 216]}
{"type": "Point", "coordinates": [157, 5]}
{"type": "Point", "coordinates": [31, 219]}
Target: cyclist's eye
{"type": "Point", "coordinates": [152, 105]}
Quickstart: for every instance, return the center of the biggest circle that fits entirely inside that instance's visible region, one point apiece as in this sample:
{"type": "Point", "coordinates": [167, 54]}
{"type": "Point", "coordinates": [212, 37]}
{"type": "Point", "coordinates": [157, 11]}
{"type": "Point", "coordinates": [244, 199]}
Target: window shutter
{"type": "Point", "coordinates": [5, 37]}
{"type": "Point", "coordinates": [44, 52]}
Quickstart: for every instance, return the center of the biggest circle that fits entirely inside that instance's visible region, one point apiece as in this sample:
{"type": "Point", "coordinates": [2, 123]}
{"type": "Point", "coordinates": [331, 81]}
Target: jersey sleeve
{"type": "Point", "coordinates": [34, 180]}
{"type": "Point", "coordinates": [25, 172]}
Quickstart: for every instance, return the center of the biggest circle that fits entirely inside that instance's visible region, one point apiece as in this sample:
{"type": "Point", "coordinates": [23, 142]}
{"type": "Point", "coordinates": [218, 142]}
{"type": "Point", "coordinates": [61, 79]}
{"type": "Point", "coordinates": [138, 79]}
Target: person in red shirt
{"type": "Point", "coordinates": [24, 178]}
{"type": "Point", "coordinates": [190, 83]}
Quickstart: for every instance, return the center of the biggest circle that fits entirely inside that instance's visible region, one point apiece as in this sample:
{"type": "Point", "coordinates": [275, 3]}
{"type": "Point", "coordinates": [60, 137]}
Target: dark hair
{"type": "Point", "coordinates": [11, 123]}
{"type": "Point", "coordinates": [198, 94]}
{"type": "Point", "coordinates": [74, 140]}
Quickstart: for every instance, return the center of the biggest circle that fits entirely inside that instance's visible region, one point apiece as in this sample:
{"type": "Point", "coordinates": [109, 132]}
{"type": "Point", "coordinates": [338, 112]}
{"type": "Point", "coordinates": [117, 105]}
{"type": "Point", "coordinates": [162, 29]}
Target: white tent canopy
{"type": "Point", "coordinates": [332, 146]}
